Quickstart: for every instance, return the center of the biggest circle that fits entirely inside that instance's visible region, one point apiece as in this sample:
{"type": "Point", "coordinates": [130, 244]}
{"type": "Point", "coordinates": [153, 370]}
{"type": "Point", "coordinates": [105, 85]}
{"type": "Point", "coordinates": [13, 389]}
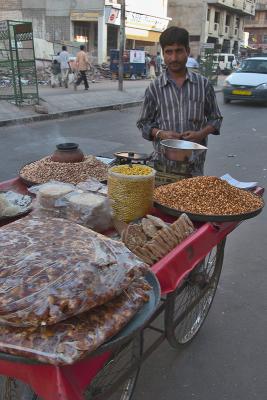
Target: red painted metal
{"type": "Point", "coordinates": [68, 382]}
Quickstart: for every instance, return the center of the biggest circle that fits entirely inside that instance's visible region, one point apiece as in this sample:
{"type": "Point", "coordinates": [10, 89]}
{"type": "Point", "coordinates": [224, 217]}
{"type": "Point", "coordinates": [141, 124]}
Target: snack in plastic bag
{"type": "Point", "coordinates": [90, 209]}
{"type": "Point", "coordinates": [61, 200]}
{"type": "Point", "coordinates": [73, 339]}
{"type": "Point", "coordinates": [49, 193]}
{"type": "Point", "coordinates": [52, 269]}
{"type": "Point", "coordinates": [12, 204]}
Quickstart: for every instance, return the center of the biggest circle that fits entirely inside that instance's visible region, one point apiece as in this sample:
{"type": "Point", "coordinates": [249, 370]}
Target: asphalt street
{"type": "Point", "coordinates": [227, 360]}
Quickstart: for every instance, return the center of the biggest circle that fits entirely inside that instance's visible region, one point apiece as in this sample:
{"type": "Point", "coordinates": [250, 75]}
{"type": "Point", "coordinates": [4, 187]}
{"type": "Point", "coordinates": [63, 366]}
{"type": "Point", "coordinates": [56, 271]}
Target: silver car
{"type": "Point", "coordinates": [248, 82]}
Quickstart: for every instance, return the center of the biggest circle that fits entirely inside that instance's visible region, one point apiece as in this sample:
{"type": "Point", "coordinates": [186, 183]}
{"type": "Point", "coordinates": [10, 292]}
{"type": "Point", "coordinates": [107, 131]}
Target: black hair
{"type": "Point", "coordinates": [81, 47]}
{"type": "Point", "coordinates": [64, 48]}
{"type": "Point", "coordinates": [174, 35]}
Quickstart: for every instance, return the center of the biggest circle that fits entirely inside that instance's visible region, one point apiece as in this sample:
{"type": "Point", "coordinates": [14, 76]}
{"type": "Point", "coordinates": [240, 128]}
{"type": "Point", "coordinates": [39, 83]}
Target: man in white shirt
{"type": "Point", "coordinates": [64, 65]}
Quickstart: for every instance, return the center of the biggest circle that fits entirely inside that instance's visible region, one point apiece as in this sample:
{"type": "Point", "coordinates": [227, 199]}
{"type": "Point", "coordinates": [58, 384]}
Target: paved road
{"type": "Point", "coordinates": [227, 360]}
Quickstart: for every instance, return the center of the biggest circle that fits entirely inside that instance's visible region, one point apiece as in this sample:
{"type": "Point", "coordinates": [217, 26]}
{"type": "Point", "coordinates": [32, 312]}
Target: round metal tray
{"type": "Point", "coordinates": [27, 182]}
{"type": "Point", "coordinates": [208, 218]}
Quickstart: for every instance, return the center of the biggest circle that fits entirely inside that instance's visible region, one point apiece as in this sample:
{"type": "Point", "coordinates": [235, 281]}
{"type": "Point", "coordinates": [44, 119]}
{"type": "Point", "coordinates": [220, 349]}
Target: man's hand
{"type": "Point", "coordinates": [170, 135]}
{"type": "Point", "coordinates": [193, 136]}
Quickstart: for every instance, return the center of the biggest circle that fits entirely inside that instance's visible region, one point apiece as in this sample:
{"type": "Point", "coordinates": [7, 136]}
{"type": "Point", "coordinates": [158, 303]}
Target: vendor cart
{"type": "Point", "coordinates": [188, 278]}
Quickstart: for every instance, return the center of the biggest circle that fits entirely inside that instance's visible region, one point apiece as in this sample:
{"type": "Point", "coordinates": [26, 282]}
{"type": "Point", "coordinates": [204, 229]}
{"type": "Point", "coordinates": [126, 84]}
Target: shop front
{"type": "Point", "coordinates": [142, 31]}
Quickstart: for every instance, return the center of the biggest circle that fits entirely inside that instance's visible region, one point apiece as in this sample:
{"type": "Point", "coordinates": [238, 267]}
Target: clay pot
{"type": "Point", "coordinates": [67, 153]}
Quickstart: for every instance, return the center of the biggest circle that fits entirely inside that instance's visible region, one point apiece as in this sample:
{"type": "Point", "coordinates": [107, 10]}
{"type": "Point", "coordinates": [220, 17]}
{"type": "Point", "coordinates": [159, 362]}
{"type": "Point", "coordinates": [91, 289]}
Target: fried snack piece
{"type": "Point", "coordinates": [134, 236]}
{"type": "Point", "coordinates": [157, 221]}
{"type": "Point", "coordinates": [149, 227]}
{"type": "Point", "coordinates": [165, 240]}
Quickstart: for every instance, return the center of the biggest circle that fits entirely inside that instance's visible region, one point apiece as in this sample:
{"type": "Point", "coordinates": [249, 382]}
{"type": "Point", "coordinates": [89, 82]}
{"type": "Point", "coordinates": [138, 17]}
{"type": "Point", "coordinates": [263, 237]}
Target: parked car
{"type": "Point", "coordinates": [248, 82]}
{"type": "Point", "coordinates": [225, 62]}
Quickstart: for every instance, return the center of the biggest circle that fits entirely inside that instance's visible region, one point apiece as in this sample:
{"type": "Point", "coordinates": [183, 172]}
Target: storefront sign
{"type": "Point", "coordinates": [84, 16]}
{"type": "Point", "coordinates": [142, 21]}
{"type": "Point", "coordinates": [136, 20]}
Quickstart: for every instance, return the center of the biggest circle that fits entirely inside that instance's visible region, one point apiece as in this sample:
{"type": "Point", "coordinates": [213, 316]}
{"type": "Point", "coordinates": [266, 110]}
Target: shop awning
{"type": "Point", "coordinates": [142, 34]}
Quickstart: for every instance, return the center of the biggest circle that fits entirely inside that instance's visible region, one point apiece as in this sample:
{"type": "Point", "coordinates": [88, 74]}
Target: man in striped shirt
{"type": "Point", "coordinates": [179, 104]}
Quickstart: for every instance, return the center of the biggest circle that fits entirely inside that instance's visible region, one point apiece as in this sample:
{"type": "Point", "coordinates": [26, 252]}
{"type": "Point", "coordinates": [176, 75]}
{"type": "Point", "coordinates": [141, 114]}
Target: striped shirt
{"type": "Point", "coordinates": [188, 108]}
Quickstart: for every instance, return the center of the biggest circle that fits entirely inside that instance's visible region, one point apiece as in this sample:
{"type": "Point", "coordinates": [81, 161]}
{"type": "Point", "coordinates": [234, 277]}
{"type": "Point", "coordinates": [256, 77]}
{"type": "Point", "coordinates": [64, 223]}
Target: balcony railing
{"type": "Point", "coordinates": [245, 7]}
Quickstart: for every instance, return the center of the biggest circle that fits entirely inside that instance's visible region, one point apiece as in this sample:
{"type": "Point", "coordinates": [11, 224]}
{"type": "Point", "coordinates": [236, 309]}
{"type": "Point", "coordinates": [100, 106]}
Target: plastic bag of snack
{"type": "Point", "coordinates": [52, 269]}
{"type": "Point", "coordinates": [49, 198]}
{"type": "Point", "coordinates": [89, 209]}
{"type": "Point", "coordinates": [71, 340]}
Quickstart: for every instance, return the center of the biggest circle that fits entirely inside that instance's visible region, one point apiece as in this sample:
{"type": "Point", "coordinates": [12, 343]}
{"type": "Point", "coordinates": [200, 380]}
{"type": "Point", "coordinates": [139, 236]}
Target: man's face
{"type": "Point", "coordinates": [175, 57]}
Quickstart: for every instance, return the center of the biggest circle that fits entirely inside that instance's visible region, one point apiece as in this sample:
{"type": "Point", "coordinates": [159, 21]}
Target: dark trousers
{"type": "Point", "coordinates": [82, 77]}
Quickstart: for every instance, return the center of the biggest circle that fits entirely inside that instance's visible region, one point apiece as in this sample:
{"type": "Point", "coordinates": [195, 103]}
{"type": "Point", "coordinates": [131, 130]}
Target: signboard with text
{"type": "Point", "coordinates": [136, 20]}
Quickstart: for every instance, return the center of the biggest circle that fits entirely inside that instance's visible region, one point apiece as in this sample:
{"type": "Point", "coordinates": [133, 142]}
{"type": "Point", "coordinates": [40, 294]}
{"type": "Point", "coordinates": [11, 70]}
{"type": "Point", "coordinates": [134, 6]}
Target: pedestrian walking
{"type": "Point", "coordinates": [179, 104]}
{"type": "Point", "coordinates": [152, 68]}
{"type": "Point", "coordinates": [64, 65]}
{"type": "Point", "coordinates": [147, 62]}
{"type": "Point", "coordinates": [83, 65]}
{"type": "Point", "coordinates": [158, 64]}
{"type": "Point", "coordinates": [56, 73]}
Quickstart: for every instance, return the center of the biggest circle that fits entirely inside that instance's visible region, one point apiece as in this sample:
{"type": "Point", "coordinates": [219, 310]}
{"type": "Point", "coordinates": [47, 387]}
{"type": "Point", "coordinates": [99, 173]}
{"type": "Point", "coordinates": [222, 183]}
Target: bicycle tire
{"type": "Point", "coordinates": [14, 389]}
{"type": "Point", "coordinates": [117, 380]}
{"type": "Point", "coordinates": [188, 306]}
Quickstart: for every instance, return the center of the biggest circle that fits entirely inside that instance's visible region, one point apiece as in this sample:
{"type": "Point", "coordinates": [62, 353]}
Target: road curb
{"type": "Point", "coordinates": [71, 113]}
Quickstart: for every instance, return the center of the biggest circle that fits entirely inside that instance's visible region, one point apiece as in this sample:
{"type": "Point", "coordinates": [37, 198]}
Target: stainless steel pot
{"type": "Point", "coordinates": [180, 150]}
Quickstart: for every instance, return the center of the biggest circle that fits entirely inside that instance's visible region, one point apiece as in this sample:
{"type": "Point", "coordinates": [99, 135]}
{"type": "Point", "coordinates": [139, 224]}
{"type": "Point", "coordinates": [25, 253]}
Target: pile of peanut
{"type": "Point", "coordinates": [207, 195]}
{"type": "Point", "coordinates": [45, 170]}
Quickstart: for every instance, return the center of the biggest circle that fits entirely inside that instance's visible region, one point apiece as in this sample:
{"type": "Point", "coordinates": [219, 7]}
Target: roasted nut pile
{"type": "Point", "coordinates": [207, 195]}
{"type": "Point", "coordinates": [131, 195]}
{"type": "Point", "coordinates": [44, 170]}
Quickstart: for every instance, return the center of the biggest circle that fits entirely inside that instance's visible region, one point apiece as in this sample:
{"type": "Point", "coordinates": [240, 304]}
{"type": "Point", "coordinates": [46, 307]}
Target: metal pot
{"type": "Point", "coordinates": [180, 150]}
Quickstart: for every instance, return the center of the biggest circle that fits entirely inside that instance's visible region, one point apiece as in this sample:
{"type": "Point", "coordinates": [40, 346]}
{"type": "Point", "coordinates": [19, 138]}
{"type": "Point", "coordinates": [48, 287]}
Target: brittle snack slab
{"type": "Point", "coordinates": [52, 269]}
{"type": "Point", "coordinates": [71, 340]}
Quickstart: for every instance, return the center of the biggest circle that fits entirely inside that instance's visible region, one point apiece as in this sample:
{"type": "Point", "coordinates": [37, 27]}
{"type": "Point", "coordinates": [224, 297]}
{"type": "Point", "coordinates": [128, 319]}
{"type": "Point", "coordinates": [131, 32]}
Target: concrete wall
{"type": "Point", "coordinates": [10, 9]}
{"type": "Point", "coordinates": [10, 5]}
{"type": "Point", "coordinates": [190, 15]}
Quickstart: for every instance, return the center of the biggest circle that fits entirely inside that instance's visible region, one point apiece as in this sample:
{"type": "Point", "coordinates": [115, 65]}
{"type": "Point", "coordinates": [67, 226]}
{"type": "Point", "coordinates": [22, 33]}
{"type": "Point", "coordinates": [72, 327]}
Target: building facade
{"type": "Point", "coordinates": [256, 26]}
{"type": "Point", "coordinates": [94, 23]}
{"type": "Point", "coordinates": [214, 21]}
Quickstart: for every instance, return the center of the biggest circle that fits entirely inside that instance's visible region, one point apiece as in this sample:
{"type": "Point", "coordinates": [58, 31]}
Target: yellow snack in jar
{"type": "Point", "coordinates": [132, 170]}
{"type": "Point", "coordinates": [131, 190]}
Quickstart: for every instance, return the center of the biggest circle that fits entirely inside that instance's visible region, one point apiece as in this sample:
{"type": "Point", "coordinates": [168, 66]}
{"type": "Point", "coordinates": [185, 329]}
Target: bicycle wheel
{"type": "Point", "coordinates": [117, 380]}
{"type": "Point", "coordinates": [188, 306]}
{"type": "Point", "coordinates": [13, 389]}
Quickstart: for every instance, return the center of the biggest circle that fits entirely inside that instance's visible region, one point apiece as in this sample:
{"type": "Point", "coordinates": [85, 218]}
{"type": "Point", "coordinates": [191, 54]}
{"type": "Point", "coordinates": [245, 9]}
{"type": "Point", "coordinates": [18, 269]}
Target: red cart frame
{"type": "Point", "coordinates": [188, 278]}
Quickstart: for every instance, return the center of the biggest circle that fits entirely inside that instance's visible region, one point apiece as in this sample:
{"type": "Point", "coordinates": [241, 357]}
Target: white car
{"type": "Point", "coordinates": [248, 82]}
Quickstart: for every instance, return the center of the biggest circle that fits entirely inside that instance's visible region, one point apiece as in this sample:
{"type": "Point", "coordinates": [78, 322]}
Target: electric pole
{"type": "Point", "coordinates": [122, 41]}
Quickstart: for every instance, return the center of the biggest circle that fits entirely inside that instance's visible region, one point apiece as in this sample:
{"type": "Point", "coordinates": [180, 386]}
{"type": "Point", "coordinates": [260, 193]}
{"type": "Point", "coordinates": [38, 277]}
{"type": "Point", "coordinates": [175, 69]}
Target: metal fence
{"type": "Point", "coordinates": [18, 78]}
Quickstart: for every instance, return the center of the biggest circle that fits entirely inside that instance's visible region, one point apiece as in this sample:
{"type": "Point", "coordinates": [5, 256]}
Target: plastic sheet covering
{"type": "Point", "coordinates": [73, 339]}
{"type": "Point", "coordinates": [52, 269]}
